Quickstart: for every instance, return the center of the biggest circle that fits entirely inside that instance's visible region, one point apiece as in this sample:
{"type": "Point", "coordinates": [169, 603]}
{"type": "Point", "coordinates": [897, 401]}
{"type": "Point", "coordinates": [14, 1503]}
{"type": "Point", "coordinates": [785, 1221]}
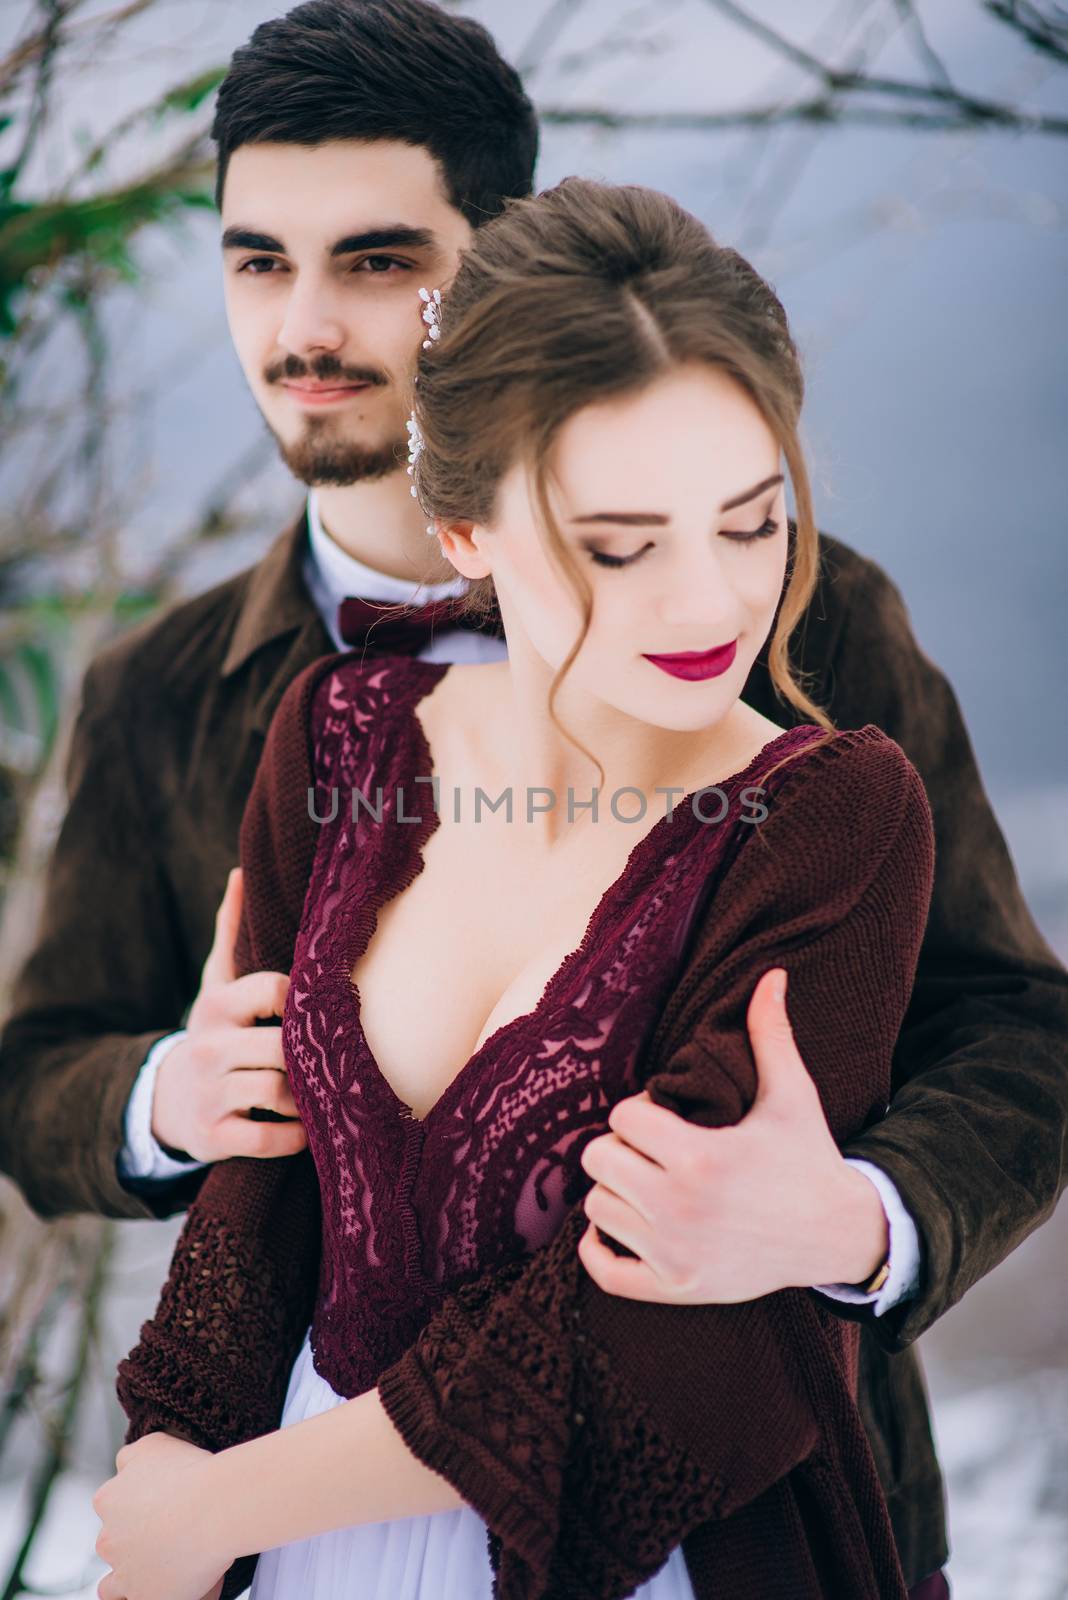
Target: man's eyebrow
{"type": "Point", "coordinates": [381, 238]}
{"type": "Point", "coordinates": [249, 239]}
{"type": "Point", "coordinates": [657, 519]}
{"type": "Point", "coordinates": [391, 236]}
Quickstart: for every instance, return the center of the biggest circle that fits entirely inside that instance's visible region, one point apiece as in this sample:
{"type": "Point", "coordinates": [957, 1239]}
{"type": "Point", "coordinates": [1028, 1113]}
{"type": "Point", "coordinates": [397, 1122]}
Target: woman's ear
{"type": "Point", "coordinates": [460, 544]}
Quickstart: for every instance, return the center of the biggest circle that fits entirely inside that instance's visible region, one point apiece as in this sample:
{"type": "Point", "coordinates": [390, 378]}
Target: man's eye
{"type": "Point", "coordinates": [380, 265]}
{"type": "Point", "coordinates": [258, 266]}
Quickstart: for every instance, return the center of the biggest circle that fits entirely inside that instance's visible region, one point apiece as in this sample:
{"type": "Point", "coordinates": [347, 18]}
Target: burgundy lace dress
{"type": "Point", "coordinates": [414, 1208]}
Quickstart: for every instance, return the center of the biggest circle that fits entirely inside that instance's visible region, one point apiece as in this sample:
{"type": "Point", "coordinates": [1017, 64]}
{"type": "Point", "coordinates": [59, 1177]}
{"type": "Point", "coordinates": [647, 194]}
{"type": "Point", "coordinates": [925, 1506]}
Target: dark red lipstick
{"type": "Point", "coordinates": [695, 664]}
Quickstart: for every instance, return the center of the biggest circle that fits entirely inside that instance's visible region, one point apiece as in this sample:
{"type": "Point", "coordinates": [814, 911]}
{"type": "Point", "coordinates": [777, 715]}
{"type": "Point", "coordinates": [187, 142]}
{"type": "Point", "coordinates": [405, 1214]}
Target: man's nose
{"type": "Point", "coordinates": [311, 321]}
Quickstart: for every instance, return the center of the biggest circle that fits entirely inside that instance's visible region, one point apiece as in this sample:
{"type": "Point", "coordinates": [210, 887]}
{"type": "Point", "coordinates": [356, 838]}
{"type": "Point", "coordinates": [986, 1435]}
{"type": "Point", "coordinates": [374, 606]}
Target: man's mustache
{"type": "Point", "coordinates": [323, 368]}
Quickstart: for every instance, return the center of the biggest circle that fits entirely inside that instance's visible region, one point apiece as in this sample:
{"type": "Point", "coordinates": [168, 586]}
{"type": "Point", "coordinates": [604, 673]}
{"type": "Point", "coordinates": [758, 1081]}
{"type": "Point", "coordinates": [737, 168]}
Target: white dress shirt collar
{"type": "Point", "coordinates": [331, 575]}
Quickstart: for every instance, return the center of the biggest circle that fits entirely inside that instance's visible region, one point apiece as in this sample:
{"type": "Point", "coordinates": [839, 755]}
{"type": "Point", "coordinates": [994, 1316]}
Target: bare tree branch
{"type": "Point", "coordinates": [133, 119]}
{"type": "Point", "coordinates": [49, 35]}
{"type": "Point", "coordinates": [27, 51]}
{"type": "Point", "coordinates": [955, 118]}
{"type": "Point", "coordinates": [765, 202]}
{"type": "Point", "coordinates": [1048, 34]}
{"type": "Point", "coordinates": [546, 30]}
{"type": "Point", "coordinates": [972, 109]}
{"type": "Point", "coordinates": [777, 41]}
{"type": "Point", "coordinates": [96, 1243]}
{"type": "Point", "coordinates": [906, 10]}
{"type": "Point", "coordinates": [606, 49]}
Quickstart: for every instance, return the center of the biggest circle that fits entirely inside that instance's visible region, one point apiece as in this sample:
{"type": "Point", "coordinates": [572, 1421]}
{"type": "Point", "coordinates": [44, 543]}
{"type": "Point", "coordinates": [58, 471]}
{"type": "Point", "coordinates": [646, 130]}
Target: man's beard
{"type": "Point", "coordinates": [319, 456]}
{"type": "Point", "coordinates": [317, 460]}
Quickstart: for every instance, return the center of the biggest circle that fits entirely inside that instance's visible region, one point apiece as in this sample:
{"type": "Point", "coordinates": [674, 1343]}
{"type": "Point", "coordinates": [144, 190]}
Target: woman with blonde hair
{"type": "Point", "coordinates": [385, 1363]}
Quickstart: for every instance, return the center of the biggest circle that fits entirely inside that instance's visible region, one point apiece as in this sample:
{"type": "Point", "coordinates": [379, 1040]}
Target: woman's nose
{"type": "Point", "coordinates": [698, 593]}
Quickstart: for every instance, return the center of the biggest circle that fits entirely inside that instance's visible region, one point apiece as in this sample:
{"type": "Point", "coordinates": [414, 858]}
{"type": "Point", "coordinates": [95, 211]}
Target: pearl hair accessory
{"type": "Point", "coordinates": [431, 314]}
{"type": "Point", "coordinates": [431, 299]}
{"type": "Point", "coordinates": [415, 444]}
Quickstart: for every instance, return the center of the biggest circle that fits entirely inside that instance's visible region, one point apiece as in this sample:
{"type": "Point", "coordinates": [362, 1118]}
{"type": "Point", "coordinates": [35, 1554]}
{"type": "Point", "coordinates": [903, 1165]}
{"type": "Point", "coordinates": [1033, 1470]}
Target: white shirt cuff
{"type": "Point", "coordinates": [142, 1156]}
{"type": "Point", "coordinates": [904, 1277]}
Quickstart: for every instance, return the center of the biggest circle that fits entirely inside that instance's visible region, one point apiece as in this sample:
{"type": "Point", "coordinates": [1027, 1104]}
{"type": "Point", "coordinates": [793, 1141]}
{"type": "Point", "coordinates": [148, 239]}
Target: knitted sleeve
{"type": "Point", "coordinates": [213, 1363]}
{"type": "Point", "coordinates": [592, 1433]}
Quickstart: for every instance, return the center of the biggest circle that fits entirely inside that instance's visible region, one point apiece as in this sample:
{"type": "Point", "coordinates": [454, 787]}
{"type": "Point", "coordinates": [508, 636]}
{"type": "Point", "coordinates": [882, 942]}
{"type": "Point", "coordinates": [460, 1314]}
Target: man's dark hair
{"type": "Point", "coordinates": [385, 69]}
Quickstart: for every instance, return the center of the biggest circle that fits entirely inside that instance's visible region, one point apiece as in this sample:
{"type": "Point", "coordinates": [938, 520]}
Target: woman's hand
{"type": "Point", "coordinates": [162, 1532]}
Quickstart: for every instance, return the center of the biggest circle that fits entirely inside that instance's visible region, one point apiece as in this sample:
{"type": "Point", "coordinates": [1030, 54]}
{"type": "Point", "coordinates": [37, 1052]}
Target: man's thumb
{"type": "Point", "coordinates": [219, 967]}
{"type": "Point", "coordinates": [778, 1060]}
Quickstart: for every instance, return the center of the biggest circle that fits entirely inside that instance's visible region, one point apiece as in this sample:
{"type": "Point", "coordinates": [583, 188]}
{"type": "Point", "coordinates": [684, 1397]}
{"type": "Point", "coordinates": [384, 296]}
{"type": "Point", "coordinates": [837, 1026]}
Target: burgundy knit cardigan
{"type": "Point", "coordinates": [594, 1433]}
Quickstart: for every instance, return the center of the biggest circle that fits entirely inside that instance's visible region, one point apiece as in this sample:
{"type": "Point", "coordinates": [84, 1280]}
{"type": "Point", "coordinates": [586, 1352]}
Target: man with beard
{"type": "Point", "coordinates": [359, 144]}
{"type": "Point", "coordinates": [400, 129]}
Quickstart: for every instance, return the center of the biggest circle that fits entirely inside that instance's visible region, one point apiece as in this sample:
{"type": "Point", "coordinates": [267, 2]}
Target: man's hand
{"type": "Point", "coordinates": [720, 1215]}
{"type": "Point", "coordinates": [208, 1082]}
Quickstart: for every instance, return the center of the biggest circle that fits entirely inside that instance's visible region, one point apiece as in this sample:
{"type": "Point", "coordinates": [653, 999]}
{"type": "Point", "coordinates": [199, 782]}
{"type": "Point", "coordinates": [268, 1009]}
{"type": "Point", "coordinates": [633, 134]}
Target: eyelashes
{"type": "Point", "coordinates": [370, 266]}
{"type": "Point", "coordinates": [604, 560]}
{"type": "Point", "coordinates": [767, 529]}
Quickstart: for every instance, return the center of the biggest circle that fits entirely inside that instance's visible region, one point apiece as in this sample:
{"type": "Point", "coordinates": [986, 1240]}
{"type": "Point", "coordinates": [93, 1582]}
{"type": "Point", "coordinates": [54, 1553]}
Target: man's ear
{"type": "Point", "coordinates": [460, 544]}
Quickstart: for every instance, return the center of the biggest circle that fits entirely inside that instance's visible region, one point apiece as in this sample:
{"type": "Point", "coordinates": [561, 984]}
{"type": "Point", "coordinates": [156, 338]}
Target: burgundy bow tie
{"type": "Point", "coordinates": [389, 630]}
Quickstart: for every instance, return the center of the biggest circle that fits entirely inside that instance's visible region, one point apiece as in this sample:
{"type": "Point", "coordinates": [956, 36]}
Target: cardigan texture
{"type": "Point", "coordinates": [415, 1206]}
{"type": "Point", "coordinates": [592, 1433]}
{"type": "Point", "coordinates": [163, 754]}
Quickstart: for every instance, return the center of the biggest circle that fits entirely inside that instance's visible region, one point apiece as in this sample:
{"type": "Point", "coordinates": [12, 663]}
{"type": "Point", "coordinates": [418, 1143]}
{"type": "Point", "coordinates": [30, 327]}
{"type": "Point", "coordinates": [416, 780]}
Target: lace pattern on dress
{"type": "Point", "coordinates": [413, 1209]}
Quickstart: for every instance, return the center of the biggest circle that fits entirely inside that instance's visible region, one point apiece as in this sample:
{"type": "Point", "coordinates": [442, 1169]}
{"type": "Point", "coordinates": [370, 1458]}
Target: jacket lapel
{"type": "Point", "coordinates": [277, 630]}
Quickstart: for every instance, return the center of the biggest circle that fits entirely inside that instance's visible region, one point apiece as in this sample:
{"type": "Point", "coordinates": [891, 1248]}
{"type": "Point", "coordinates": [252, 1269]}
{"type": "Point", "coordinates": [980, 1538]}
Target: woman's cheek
{"type": "Point", "coordinates": [761, 578]}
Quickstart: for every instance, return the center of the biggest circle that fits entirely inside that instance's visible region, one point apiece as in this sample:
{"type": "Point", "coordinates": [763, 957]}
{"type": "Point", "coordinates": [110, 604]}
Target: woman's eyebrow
{"type": "Point", "coordinates": [657, 519]}
{"type": "Point", "coordinates": [629, 519]}
{"type": "Point", "coordinates": [751, 494]}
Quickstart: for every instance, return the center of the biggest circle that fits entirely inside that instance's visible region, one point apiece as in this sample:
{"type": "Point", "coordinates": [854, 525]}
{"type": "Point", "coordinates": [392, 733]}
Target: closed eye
{"type": "Point", "coordinates": [604, 560]}
{"type": "Point", "coordinates": [768, 528]}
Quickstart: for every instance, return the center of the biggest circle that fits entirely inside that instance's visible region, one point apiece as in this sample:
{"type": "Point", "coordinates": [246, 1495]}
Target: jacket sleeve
{"type": "Point", "coordinates": [592, 1432]}
{"type": "Point", "coordinates": [976, 1140]}
{"type": "Point", "coordinates": [90, 1001]}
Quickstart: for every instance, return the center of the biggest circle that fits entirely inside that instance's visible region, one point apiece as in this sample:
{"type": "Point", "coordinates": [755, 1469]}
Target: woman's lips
{"type": "Point", "coordinates": [697, 664]}
{"type": "Point", "coordinates": [323, 396]}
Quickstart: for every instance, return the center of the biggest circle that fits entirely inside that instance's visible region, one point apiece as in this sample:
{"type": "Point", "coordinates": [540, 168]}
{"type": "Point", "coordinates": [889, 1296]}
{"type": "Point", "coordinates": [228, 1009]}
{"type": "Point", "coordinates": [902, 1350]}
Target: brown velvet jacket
{"type": "Point", "coordinates": [169, 737]}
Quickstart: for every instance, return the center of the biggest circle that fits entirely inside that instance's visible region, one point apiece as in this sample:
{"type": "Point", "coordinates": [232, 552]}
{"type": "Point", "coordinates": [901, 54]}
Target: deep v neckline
{"type": "Point", "coordinates": [409, 739]}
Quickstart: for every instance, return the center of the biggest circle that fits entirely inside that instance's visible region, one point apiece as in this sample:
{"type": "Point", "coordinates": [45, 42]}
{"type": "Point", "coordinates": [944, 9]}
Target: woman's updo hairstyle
{"type": "Point", "coordinates": [583, 292]}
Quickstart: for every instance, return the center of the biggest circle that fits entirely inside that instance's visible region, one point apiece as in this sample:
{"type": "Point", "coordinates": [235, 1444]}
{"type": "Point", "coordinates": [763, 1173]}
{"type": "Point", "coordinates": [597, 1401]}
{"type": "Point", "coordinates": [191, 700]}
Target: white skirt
{"type": "Point", "coordinates": [441, 1556]}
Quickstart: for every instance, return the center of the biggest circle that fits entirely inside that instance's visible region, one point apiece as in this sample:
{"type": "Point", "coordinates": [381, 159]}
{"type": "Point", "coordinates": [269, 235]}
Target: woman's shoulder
{"type": "Point", "coordinates": [351, 680]}
{"type": "Point", "coordinates": [334, 698]}
{"type": "Point", "coordinates": [866, 760]}
{"type": "Point", "coordinates": [843, 818]}
{"type": "Point", "coordinates": [852, 791]}
{"type": "Point", "coordinates": [357, 707]}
